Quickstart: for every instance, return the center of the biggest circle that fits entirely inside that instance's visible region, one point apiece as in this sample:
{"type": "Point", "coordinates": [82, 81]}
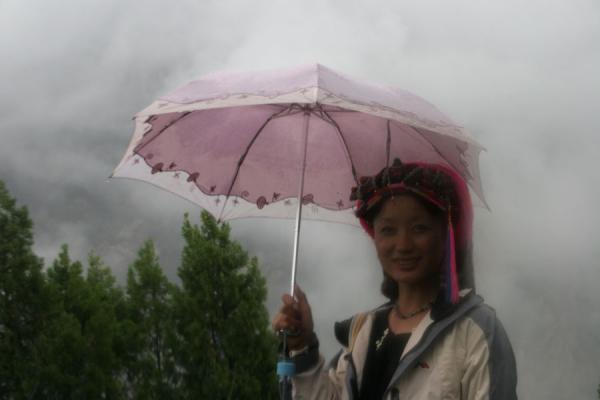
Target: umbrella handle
{"type": "Point", "coordinates": [286, 369]}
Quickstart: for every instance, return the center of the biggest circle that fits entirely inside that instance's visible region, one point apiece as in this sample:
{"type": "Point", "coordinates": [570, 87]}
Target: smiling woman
{"type": "Point", "coordinates": [409, 240]}
{"type": "Point", "coordinates": [435, 338]}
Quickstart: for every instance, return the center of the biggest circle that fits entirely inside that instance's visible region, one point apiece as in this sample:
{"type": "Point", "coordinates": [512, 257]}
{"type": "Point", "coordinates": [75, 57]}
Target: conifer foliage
{"type": "Point", "coordinates": [151, 368]}
{"type": "Point", "coordinates": [225, 347]}
{"type": "Point", "coordinates": [23, 301]}
{"type": "Point", "coordinates": [69, 331]}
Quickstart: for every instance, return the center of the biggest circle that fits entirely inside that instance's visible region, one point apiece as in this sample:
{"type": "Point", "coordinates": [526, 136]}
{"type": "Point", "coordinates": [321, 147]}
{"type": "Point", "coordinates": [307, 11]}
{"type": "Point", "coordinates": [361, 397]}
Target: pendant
{"type": "Point", "coordinates": [379, 341]}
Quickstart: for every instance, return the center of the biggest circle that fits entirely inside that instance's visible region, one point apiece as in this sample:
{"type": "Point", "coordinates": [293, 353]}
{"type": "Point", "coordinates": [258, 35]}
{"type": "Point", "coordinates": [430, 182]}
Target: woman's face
{"type": "Point", "coordinates": [409, 241]}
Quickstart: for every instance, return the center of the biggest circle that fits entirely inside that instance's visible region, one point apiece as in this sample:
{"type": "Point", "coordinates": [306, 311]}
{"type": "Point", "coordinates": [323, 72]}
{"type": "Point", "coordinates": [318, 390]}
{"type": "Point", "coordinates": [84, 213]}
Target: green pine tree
{"type": "Point", "coordinates": [23, 302]}
{"type": "Point", "coordinates": [70, 334]}
{"type": "Point", "coordinates": [151, 368]}
{"type": "Point", "coordinates": [225, 348]}
{"type": "Point", "coordinates": [103, 332]}
{"type": "Point", "coordinates": [83, 340]}
{"type": "Point", "coordinates": [64, 342]}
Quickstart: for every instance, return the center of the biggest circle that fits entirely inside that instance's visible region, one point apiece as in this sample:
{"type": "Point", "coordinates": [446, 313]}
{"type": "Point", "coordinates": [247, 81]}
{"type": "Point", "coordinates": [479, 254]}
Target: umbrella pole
{"type": "Point", "coordinates": [286, 368]}
{"type": "Point", "coordinates": [299, 210]}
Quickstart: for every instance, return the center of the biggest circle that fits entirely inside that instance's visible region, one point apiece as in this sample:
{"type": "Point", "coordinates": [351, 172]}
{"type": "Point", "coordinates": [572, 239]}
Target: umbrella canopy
{"type": "Point", "coordinates": [239, 144]}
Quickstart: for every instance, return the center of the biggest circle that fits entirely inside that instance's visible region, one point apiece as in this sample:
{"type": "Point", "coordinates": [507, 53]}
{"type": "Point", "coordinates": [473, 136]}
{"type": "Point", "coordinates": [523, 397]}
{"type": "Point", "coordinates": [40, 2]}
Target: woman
{"type": "Point", "coordinates": [432, 340]}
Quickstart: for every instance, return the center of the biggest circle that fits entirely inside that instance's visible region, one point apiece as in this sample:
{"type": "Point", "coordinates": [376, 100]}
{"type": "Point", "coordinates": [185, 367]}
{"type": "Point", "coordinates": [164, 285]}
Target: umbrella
{"type": "Point", "coordinates": [252, 144]}
{"type": "Point", "coordinates": [272, 143]}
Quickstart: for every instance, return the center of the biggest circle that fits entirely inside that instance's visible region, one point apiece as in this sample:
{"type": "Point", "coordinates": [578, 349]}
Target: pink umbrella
{"type": "Point", "coordinates": [249, 144]}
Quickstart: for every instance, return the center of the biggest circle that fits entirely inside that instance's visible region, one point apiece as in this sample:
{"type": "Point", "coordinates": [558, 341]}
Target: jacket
{"type": "Point", "coordinates": [461, 352]}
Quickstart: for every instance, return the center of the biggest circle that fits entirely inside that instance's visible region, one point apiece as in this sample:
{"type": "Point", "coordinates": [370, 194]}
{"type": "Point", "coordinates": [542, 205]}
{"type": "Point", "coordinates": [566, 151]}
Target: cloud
{"type": "Point", "coordinates": [520, 76]}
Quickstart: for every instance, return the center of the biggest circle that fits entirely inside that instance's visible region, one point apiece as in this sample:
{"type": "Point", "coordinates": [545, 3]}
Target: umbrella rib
{"type": "Point", "coordinates": [185, 114]}
{"type": "Point", "coordinates": [341, 110]}
{"type": "Point", "coordinates": [243, 156]}
{"type": "Point", "coordinates": [388, 143]}
{"type": "Point", "coordinates": [418, 136]}
{"type": "Point", "coordinates": [437, 150]}
{"type": "Point", "coordinates": [434, 147]}
{"type": "Point", "coordinates": [339, 130]}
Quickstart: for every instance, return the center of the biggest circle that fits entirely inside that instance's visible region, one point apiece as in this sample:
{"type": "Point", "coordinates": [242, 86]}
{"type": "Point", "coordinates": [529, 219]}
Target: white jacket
{"type": "Point", "coordinates": [463, 353]}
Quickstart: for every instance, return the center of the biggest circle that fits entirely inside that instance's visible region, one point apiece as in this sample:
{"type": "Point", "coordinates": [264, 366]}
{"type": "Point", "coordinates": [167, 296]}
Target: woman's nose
{"type": "Point", "coordinates": [403, 242]}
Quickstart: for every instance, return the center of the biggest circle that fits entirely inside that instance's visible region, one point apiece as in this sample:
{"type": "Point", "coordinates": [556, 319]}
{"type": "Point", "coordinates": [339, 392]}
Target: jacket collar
{"type": "Point", "coordinates": [441, 317]}
{"type": "Point", "coordinates": [430, 329]}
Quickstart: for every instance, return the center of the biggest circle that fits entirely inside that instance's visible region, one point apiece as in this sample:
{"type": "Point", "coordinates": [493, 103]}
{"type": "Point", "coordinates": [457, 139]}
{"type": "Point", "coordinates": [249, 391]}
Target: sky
{"type": "Point", "coordinates": [521, 77]}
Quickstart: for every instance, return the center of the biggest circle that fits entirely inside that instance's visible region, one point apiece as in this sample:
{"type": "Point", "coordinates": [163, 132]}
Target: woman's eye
{"type": "Point", "coordinates": [386, 230]}
{"type": "Point", "coordinates": [420, 228]}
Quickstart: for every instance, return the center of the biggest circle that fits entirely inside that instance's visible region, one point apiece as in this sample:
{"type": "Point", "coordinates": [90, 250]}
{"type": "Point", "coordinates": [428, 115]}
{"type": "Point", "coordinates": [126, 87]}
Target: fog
{"type": "Point", "coordinates": [520, 76]}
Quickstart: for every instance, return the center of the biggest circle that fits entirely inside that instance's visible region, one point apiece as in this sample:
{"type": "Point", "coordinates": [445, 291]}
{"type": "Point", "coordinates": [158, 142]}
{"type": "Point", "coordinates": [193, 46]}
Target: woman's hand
{"type": "Point", "coordinates": [295, 316]}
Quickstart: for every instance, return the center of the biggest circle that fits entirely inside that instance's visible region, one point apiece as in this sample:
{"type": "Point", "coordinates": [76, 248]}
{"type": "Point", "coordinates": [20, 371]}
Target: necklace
{"type": "Point", "coordinates": [401, 315]}
{"type": "Point", "coordinates": [386, 332]}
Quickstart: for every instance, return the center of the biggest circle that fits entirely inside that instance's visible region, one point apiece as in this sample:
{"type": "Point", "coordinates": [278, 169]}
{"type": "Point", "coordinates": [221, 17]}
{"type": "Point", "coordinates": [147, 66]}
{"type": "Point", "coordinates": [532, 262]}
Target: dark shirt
{"type": "Point", "coordinates": [383, 356]}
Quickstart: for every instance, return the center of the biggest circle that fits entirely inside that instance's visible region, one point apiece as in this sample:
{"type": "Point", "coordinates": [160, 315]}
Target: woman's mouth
{"type": "Point", "coordinates": [406, 263]}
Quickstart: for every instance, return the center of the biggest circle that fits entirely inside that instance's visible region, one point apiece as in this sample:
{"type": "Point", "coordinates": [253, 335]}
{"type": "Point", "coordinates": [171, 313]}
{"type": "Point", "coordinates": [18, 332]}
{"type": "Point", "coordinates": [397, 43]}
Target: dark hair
{"type": "Point", "coordinates": [464, 256]}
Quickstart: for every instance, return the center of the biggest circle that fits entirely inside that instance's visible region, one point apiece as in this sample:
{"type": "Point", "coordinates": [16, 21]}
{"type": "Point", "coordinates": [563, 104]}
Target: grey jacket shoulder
{"type": "Point", "coordinates": [503, 369]}
{"type": "Point", "coordinates": [483, 314]}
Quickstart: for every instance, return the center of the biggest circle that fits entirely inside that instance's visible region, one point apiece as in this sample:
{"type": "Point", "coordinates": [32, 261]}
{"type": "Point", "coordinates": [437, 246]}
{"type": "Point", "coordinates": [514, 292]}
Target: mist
{"type": "Point", "coordinates": [520, 76]}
